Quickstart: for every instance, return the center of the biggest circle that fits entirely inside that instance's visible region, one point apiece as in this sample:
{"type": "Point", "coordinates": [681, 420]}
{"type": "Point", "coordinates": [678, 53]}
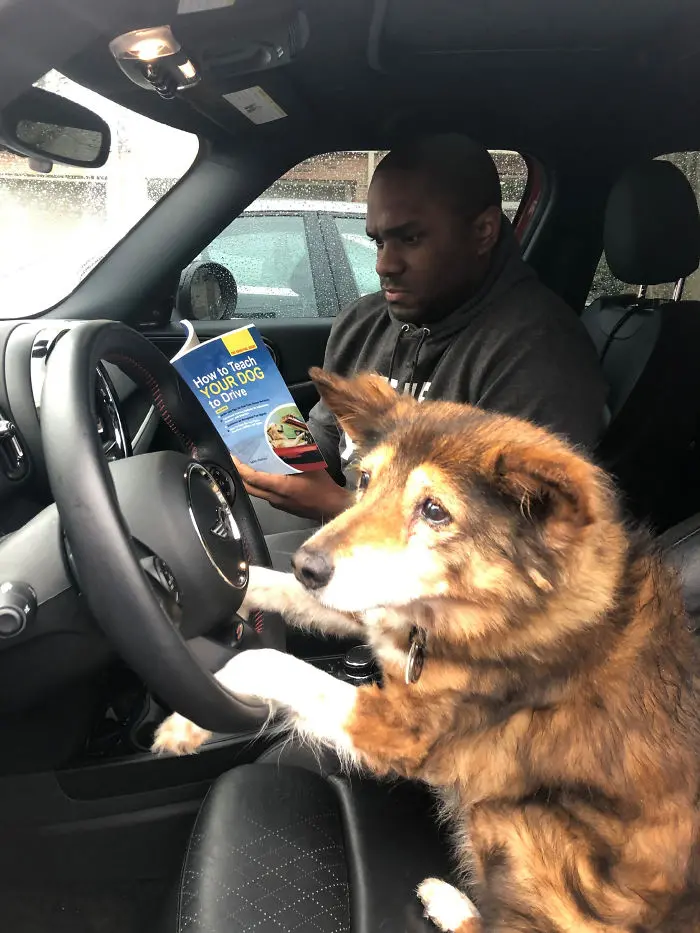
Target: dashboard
{"type": "Point", "coordinates": [124, 416]}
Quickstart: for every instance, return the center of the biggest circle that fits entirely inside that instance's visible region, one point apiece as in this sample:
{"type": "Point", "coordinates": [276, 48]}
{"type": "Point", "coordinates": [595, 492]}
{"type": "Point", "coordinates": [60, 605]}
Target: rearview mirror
{"type": "Point", "coordinates": [43, 125]}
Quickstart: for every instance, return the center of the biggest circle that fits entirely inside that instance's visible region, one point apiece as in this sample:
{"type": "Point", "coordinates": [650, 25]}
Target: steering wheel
{"type": "Point", "coordinates": [159, 543]}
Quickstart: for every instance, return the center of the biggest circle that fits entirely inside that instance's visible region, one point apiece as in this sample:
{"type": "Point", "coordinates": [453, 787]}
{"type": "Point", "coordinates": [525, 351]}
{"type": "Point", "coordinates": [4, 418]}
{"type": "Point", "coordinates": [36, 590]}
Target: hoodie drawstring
{"type": "Point", "coordinates": [424, 334]}
{"type": "Point", "coordinates": [404, 330]}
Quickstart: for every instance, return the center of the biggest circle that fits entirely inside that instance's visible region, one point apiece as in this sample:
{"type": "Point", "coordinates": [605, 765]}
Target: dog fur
{"type": "Point", "coordinates": [557, 712]}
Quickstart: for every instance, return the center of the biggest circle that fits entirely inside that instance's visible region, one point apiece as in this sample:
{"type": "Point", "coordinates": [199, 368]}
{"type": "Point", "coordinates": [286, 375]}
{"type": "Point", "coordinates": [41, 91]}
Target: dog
{"type": "Point", "coordinates": [539, 671]}
{"type": "Point", "coordinates": [279, 440]}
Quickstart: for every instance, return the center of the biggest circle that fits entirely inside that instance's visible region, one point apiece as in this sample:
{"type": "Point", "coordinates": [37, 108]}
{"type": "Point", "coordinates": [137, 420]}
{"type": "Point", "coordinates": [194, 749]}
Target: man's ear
{"type": "Point", "coordinates": [558, 488]}
{"type": "Point", "coordinates": [487, 229]}
{"type": "Point", "coordinates": [360, 404]}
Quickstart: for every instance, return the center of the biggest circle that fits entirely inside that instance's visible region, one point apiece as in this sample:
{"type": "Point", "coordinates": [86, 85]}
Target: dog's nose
{"type": "Point", "coordinates": [313, 569]}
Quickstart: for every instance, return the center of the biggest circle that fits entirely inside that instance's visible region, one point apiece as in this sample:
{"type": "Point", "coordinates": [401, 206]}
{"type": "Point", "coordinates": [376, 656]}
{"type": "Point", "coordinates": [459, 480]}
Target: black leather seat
{"type": "Point", "coordinates": [284, 848]}
{"type": "Point", "coordinates": [289, 846]}
{"type": "Point", "coordinates": [649, 348]}
{"type": "Point", "coordinates": [681, 545]}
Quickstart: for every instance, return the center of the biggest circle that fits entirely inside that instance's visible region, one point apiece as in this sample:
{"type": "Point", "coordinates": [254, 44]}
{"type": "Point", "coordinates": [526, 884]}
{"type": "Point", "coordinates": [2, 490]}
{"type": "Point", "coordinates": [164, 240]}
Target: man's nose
{"type": "Point", "coordinates": [313, 569]}
{"type": "Point", "coordinates": [389, 261]}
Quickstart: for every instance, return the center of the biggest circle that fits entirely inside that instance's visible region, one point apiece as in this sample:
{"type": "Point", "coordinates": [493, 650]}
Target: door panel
{"type": "Point", "coordinates": [296, 344]}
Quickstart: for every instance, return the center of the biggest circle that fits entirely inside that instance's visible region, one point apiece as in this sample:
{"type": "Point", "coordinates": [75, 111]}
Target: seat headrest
{"type": "Point", "coordinates": [652, 225]}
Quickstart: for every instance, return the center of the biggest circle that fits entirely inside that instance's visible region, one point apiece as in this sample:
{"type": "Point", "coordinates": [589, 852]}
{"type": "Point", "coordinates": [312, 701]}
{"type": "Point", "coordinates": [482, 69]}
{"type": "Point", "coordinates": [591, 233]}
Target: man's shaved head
{"type": "Point", "coordinates": [434, 210]}
{"type": "Point", "coordinates": [455, 165]}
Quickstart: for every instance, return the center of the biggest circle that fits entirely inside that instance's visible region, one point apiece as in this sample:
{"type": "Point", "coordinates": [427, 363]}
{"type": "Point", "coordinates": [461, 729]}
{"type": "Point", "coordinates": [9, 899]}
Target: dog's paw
{"type": "Point", "coordinates": [449, 909]}
{"type": "Point", "coordinates": [262, 674]}
{"type": "Point", "coordinates": [265, 590]}
{"type": "Point", "coordinates": [178, 736]}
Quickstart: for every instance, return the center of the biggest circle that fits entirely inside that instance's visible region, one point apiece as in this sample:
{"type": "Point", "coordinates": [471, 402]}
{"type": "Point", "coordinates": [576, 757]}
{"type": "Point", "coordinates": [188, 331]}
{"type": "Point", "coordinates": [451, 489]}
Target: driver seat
{"type": "Point", "coordinates": [287, 845]}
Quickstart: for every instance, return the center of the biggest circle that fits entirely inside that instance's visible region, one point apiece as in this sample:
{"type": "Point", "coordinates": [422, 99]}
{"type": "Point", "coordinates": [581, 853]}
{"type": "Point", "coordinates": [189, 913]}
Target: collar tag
{"type": "Point", "coordinates": [416, 655]}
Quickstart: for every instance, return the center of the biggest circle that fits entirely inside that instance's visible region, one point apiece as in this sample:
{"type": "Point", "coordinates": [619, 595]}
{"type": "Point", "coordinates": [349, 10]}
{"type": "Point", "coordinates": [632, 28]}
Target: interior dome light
{"type": "Point", "coordinates": [145, 45]}
{"type": "Point", "coordinates": [188, 70]}
{"type": "Point", "coordinates": [154, 59]}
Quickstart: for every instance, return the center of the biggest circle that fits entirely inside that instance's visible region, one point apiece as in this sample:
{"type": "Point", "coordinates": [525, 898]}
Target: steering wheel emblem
{"type": "Point", "coordinates": [221, 528]}
{"type": "Point", "coordinates": [215, 525]}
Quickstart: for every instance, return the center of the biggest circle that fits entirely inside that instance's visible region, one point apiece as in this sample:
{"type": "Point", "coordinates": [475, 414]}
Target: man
{"type": "Point", "coordinates": [460, 317]}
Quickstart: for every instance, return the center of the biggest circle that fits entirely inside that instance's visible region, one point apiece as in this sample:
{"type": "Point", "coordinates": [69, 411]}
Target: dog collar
{"type": "Point", "coordinates": [416, 655]}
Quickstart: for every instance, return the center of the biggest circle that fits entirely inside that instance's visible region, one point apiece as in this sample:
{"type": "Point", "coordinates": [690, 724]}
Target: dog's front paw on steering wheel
{"type": "Point", "coordinates": [178, 736]}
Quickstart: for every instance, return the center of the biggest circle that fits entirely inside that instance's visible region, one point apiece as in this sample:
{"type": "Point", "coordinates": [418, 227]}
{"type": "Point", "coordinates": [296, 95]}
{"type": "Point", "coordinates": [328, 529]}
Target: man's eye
{"type": "Point", "coordinates": [364, 481]}
{"type": "Point", "coordinates": [412, 240]}
{"type": "Point", "coordinates": [434, 513]}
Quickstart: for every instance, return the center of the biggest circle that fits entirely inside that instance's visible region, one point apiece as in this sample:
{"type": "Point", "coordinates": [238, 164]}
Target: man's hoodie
{"type": "Point", "coordinates": [514, 347]}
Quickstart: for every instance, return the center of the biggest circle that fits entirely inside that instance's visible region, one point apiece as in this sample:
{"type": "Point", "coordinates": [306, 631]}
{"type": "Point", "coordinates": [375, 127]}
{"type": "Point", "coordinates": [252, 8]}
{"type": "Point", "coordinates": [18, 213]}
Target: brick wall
{"type": "Point", "coordinates": [344, 176]}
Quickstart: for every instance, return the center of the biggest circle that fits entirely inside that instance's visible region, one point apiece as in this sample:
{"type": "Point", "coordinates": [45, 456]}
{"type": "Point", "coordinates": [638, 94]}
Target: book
{"type": "Point", "coordinates": [239, 386]}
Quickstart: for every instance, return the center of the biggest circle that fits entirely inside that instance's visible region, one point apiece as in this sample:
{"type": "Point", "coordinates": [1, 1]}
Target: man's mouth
{"type": "Point", "coordinates": [393, 294]}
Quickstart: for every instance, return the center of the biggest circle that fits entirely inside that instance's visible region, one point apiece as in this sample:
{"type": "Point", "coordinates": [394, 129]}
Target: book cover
{"type": "Point", "coordinates": [241, 389]}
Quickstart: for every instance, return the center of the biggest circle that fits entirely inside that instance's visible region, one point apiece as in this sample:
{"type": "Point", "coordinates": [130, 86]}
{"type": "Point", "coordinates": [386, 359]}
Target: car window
{"type": "Point", "coordinates": [361, 253]}
{"type": "Point", "coordinates": [282, 264]}
{"type": "Point", "coordinates": [605, 283]}
{"type": "Point", "coordinates": [268, 256]}
{"type": "Point", "coordinates": [56, 227]}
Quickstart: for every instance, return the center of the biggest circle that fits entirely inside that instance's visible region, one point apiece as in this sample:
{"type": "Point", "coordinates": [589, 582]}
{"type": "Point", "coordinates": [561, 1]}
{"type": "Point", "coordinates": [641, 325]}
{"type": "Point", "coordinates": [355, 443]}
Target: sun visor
{"type": "Point", "coordinates": [407, 35]}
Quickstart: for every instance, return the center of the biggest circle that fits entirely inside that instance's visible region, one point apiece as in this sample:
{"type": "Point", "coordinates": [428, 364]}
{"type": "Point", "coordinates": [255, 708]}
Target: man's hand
{"type": "Point", "coordinates": [310, 495]}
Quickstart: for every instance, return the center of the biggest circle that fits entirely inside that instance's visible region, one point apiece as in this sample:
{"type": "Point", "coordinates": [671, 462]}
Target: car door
{"type": "Point", "coordinates": [352, 255]}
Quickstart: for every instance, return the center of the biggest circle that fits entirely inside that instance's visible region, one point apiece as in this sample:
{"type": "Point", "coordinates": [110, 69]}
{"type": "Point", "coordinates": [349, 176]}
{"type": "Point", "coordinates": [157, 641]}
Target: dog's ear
{"type": "Point", "coordinates": [360, 404]}
{"type": "Point", "coordinates": [548, 486]}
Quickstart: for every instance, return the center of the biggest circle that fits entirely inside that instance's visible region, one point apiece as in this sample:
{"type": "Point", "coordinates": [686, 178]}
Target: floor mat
{"type": "Point", "coordinates": [85, 908]}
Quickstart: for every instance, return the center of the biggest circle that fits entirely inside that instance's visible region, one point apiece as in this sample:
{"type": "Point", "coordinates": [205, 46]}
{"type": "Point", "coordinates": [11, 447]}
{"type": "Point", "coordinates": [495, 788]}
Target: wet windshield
{"type": "Point", "coordinates": [55, 228]}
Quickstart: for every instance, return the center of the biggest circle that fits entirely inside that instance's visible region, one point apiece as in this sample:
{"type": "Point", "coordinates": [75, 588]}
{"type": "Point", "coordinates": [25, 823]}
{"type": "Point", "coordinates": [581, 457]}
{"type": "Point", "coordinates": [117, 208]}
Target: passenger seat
{"type": "Point", "coordinates": [650, 348]}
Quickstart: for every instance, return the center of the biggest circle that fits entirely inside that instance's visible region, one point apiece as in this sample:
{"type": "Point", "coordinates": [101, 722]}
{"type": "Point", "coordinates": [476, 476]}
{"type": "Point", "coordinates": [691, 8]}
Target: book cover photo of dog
{"type": "Point", "coordinates": [539, 671]}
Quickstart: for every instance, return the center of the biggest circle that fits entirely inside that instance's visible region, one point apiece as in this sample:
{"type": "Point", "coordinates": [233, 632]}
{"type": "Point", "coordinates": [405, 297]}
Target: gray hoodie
{"type": "Point", "coordinates": [514, 347]}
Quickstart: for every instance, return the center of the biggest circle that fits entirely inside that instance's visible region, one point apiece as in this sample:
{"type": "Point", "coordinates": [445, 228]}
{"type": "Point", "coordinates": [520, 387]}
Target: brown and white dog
{"type": "Point", "coordinates": [539, 671]}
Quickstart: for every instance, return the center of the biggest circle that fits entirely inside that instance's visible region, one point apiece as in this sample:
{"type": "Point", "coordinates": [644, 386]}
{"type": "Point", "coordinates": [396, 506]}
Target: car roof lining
{"type": "Point", "coordinates": [514, 73]}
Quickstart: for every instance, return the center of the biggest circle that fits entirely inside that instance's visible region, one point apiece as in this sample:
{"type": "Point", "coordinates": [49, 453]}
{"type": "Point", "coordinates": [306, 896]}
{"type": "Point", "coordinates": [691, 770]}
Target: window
{"type": "Point", "coordinates": [55, 228]}
{"type": "Point", "coordinates": [361, 253]}
{"type": "Point", "coordinates": [605, 283]}
{"type": "Point", "coordinates": [280, 250]}
{"type": "Point", "coordinates": [268, 256]}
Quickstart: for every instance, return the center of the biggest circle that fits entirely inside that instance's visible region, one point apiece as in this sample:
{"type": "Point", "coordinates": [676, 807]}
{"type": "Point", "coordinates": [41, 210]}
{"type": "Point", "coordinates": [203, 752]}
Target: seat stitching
{"type": "Point", "coordinates": [187, 855]}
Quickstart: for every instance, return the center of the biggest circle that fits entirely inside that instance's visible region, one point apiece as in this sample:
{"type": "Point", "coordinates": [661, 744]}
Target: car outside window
{"type": "Point", "coordinates": [268, 257]}
{"type": "Point", "coordinates": [361, 253]}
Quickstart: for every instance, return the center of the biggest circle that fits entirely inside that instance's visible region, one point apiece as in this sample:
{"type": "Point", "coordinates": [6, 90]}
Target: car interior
{"type": "Point", "coordinates": [111, 613]}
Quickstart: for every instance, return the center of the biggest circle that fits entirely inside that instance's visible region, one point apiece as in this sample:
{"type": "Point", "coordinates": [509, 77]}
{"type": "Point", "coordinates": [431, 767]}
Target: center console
{"type": "Point", "coordinates": [357, 666]}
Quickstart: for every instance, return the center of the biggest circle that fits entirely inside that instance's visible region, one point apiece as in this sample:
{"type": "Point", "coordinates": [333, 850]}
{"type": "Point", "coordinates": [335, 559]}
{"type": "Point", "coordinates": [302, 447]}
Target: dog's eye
{"type": "Point", "coordinates": [434, 513]}
{"type": "Point", "coordinates": [364, 481]}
